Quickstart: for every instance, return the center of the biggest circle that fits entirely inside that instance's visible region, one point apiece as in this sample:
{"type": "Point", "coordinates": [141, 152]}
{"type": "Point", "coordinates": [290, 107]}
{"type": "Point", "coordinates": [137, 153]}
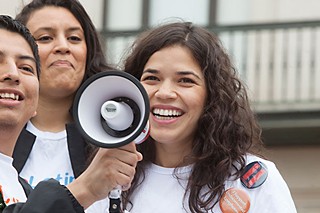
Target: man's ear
{"type": "Point", "coordinates": [34, 114]}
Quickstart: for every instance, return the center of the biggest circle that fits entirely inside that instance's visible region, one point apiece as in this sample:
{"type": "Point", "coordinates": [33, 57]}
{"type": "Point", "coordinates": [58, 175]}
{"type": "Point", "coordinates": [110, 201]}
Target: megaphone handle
{"type": "Point", "coordinates": [114, 206]}
{"type": "Point", "coordinates": [114, 197]}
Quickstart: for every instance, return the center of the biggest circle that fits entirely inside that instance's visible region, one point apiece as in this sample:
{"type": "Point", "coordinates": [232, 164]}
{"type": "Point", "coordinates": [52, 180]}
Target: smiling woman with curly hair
{"type": "Point", "coordinates": [204, 141]}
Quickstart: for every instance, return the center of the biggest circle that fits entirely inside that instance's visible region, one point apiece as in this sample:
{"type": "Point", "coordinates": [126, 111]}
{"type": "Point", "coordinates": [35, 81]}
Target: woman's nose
{"type": "Point", "coordinates": [62, 46]}
{"type": "Point", "coordinates": [166, 91]}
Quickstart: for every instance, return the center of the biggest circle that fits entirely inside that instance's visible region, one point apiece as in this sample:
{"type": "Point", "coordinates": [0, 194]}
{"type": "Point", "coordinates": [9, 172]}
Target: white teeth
{"type": "Point", "coordinates": [9, 96]}
{"type": "Point", "coordinates": [166, 112]}
{"type": "Point", "coordinates": [156, 111]}
{"type": "Point", "coordinates": [163, 118]}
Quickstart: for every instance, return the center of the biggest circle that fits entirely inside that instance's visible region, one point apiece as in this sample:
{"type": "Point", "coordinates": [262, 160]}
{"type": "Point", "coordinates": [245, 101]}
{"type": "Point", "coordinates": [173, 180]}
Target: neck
{"type": "Point", "coordinates": [8, 138]}
{"type": "Point", "coordinates": [55, 111]}
{"type": "Point", "coordinates": [172, 155]}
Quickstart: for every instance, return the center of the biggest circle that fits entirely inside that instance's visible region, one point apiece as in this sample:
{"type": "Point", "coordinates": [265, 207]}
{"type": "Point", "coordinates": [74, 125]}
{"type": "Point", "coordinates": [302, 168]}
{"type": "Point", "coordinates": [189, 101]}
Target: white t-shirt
{"type": "Point", "coordinates": [10, 186]}
{"type": "Point", "coordinates": [162, 192]}
{"type": "Point", "coordinates": [49, 158]}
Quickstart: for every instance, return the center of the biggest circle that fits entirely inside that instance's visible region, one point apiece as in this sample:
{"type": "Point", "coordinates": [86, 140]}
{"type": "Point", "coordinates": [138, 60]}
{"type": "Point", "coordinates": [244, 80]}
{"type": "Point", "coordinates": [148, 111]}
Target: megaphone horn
{"type": "Point", "coordinates": [111, 109]}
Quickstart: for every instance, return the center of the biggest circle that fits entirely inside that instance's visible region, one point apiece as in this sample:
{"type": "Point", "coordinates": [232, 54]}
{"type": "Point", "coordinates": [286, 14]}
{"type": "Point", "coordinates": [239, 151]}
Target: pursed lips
{"type": "Point", "coordinates": [62, 63]}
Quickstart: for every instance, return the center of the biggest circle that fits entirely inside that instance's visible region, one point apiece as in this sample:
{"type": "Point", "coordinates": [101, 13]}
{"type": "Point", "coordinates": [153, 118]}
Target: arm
{"type": "Point", "coordinates": [109, 168]}
{"type": "Point", "coordinates": [47, 197]}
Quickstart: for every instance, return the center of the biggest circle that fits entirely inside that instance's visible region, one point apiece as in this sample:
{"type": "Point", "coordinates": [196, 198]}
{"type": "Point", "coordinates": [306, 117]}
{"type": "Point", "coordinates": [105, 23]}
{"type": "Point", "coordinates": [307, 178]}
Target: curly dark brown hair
{"type": "Point", "coordinates": [227, 130]}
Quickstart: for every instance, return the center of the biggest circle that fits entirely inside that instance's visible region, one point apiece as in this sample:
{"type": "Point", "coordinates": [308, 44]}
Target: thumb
{"type": "Point", "coordinates": [140, 157]}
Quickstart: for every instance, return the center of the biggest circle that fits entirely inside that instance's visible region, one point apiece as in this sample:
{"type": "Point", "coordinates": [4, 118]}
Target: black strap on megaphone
{"type": "Point", "coordinates": [115, 200]}
{"type": "Point", "coordinates": [114, 205]}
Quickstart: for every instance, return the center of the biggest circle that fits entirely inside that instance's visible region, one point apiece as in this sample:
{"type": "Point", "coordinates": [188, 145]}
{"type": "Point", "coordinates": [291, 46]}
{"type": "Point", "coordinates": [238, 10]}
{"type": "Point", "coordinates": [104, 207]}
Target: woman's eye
{"type": "Point", "coordinates": [187, 80]}
{"type": "Point", "coordinates": [75, 38]}
{"type": "Point", "coordinates": [44, 38]}
{"type": "Point", "coordinates": [149, 78]}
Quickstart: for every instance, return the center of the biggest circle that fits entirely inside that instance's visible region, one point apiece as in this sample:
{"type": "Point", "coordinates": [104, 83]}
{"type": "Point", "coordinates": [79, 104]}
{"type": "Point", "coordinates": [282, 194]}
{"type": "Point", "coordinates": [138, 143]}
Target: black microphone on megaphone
{"type": "Point", "coordinates": [111, 109]}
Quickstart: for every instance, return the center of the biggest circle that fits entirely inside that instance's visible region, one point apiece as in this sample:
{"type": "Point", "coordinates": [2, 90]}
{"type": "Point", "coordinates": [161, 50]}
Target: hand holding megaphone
{"type": "Point", "coordinates": [111, 109]}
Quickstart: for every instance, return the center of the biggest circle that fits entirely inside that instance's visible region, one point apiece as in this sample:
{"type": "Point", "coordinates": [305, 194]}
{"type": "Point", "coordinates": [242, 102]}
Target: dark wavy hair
{"type": "Point", "coordinates": [96, 60]}
{"type": "Point", "coordinates": [8, 23]}
{"type": "Point", "coordinates": [227, 130]}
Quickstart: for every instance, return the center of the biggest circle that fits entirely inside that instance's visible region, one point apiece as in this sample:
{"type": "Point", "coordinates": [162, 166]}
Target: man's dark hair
{"type": "Point", "coordinates": [8, 23]}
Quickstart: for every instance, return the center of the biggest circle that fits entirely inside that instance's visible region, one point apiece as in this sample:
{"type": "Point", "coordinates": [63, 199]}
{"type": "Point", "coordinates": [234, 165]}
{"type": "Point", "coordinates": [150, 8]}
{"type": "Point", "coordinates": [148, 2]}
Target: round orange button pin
{"type": "Point", "coordinates": [234, 200]}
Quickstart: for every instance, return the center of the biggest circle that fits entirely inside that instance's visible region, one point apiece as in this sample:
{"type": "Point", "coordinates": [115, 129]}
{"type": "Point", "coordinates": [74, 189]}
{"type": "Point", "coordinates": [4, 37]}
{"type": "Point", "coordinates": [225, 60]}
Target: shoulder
{"type": "Point", "coordinates": [267, 188]}
{"type": "Point", "coordinates": [269, 164]}
{"type": "Point", "coordinates": [262, 186]}
{"type": "Point", "coordinates": [264, 172]}
{"type": "Point", "coordinates": [273, 173]}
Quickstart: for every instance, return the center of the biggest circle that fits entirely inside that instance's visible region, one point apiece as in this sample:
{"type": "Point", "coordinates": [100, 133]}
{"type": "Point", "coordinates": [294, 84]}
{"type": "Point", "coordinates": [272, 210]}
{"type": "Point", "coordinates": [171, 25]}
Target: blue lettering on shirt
{"type": "Point", "coordinates": [63, 179]}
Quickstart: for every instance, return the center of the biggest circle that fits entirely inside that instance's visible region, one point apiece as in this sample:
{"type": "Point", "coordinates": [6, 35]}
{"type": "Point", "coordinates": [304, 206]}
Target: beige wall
{"type": "Point", "coordinates": [300, 168]}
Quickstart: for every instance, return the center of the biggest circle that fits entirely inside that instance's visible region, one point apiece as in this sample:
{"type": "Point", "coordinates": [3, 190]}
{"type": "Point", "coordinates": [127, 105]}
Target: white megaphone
{"type": "Point", "coordinates": [111, 109]}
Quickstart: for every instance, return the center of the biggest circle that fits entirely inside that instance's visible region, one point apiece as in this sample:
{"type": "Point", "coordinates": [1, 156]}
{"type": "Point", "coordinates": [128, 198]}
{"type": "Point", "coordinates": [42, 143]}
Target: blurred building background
{"type": "Point", "coordinates": [275, 45]}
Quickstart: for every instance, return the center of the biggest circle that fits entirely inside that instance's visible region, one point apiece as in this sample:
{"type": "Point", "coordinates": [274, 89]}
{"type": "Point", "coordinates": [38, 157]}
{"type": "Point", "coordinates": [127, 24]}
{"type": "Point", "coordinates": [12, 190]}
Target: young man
{"type": "Point", "coordinates": [19, 92]}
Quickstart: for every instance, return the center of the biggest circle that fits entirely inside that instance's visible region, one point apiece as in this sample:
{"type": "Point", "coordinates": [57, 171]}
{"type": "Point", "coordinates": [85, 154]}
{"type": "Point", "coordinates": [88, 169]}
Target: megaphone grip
{"type": "Point", "coordinates": [114, 197]}
{"type": "Point", "coordinates": [116, 192]}
{"type": "Point", "coordinates": [114, 205]}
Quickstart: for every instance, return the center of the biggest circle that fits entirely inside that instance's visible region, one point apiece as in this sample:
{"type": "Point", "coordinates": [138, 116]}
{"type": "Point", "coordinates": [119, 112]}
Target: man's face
{"type": "Point", "coordinates": [19, 85]}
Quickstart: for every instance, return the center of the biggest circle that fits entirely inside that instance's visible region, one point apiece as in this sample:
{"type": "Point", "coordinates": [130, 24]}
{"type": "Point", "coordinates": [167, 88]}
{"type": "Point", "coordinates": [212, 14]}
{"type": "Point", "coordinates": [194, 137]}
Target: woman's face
{"type": "Point", "coordinates": [62, 50]}
{"type": "Point", "coordinates": [176, 87]}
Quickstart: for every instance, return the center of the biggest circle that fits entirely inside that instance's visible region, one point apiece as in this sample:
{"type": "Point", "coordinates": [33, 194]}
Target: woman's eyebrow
{"type": "Point", "coordinates": [153, 71]}
{"type": "Point", "coordinates": [50, 29]}
{"type": "Point", "coordinates": [188, 73]}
